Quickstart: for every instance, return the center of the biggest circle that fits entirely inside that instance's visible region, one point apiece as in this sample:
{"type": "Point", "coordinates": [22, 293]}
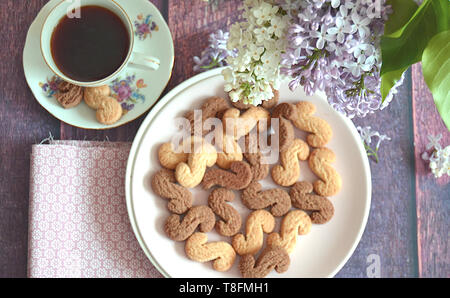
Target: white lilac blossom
{"type": "Point", "coordinates": [215, 54]}
{"type": "Point", "coordinates": [438, 157]}
{"type": "Point", "coordinates": [367, 134]}
{"type": "Point", "coordinates": [260, 41]}
{"type": "Point", "coordinates": [333, 46]}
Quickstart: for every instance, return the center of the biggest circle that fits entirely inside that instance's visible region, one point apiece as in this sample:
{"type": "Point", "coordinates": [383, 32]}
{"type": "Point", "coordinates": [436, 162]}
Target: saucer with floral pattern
{"type": "Point", "coordinates": [137, 90]}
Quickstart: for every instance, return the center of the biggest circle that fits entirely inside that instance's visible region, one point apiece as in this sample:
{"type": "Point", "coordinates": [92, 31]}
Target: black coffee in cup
{"type": "Point", "coordinates": [92, 47]}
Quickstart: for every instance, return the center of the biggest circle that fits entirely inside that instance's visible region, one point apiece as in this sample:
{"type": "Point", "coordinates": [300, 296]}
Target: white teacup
{"type": "Point", "coordinates": [67, 6]}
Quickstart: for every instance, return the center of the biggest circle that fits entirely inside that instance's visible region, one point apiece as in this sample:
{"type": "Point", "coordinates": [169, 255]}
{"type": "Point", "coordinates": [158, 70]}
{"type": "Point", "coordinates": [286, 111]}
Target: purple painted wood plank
{"type": "Point", "coordinates": [191, 22]}
{"type": "Point", "coordinates": [22, 123]}
{"type": "Point", "coordinates": [391, 228]}
{"type": "Point", "coordinates": [432, 195]}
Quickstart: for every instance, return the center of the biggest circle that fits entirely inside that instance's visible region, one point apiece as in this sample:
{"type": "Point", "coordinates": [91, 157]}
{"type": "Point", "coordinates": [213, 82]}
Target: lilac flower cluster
{"type": "Point", "coordinates": [216, 52]}
{"type": "Point", "coordinates": [367, 134]}
{"type": "Point", "coordinates": [438, 158]}
{"type": "Point", "coordinates": [333, 46]}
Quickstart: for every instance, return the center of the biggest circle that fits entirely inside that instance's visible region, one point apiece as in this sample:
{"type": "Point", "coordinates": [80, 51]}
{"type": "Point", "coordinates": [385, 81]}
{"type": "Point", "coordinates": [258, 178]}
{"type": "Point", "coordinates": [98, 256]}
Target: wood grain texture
{"type": "Point", "coordinates": [191, 22]}
{"type": "Point", "coordinates": [391, 228]}
{"type": "Point", "coordinates": [22, 122]}
{"type": "Point", "coordinates": [432, 195]}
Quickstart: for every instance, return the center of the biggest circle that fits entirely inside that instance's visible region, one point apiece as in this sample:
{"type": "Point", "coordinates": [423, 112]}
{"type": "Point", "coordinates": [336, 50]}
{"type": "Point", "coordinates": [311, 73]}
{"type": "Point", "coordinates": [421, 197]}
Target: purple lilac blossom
{"type": "Point", "coordinates": [216, 52]}
{"type": "Point", "coordinates": [334, 47]}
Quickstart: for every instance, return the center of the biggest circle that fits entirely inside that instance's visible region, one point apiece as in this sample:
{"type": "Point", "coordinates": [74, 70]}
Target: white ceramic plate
{"type": "Point", "coordinates": [136, 89]}
{"type": "Point", "coordinates": [321, 253]}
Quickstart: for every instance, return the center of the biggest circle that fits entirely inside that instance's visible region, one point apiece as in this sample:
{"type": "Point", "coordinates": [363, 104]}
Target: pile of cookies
{"type": "Point", "coordinates": [299, 204]}
{"type": "Point", "coordinates": [108, 110]}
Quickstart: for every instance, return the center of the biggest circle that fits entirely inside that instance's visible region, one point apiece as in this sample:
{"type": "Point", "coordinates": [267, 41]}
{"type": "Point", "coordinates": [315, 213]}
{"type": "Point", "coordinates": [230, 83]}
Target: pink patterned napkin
{"type": "Point", "coordinates": [78, 225]}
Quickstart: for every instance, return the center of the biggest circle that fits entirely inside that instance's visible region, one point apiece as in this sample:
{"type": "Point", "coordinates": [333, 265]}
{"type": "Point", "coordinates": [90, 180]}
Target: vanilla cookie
{"type": "Point", "coordinates": [288, 172]}
{"type": "Point", "coordinates": [93, 96]}
{"type": "Point", "coordinates": [330, 182]}
{"type": "Point", "coordinates": [109, 111]}
{"type": "Point", "coordinates": [294, 223]}
{"type": "Point", "coordinates": [221, 253]}
{"type": "Point", "coordinates": [229, 153]}
{"type": "Point", "coordinates": [258, 223]}
{"type": "Point", "coordinates": [191, 174]}
{"type": "Point", "coordinates": [168, 158]}
{"type": "Point", "coordinates": [213, 107]}
{"type": "Point", "coordinates": [321, 132]}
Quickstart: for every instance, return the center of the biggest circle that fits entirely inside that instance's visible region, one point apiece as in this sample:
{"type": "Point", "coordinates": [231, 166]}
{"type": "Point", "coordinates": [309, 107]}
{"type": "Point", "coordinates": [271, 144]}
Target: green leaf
{"type": "Point", "coordinates": [404, 47]}
{"type": "Point", "coordinates": [436, 71]}
{"type": "Point", "coordinates": [403, 11]}
{"type": "Point", "coordinates": [389, 79]}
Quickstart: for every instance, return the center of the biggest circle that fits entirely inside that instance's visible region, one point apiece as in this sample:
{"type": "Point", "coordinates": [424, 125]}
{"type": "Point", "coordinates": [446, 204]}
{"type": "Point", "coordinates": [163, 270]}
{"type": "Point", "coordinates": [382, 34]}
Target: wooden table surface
{"type": "Point", "coordinates": [408, 227]}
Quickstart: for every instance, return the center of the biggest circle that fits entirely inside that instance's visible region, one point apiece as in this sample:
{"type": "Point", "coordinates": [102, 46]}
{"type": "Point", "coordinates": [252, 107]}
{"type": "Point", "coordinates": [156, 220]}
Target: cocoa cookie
{"type": "Point", "coordinates": [109, 111]}
{"type": "Point", "coordinates": [258, 165]}
{"type": "Point", "coordinates": [198, 216]}
{"type": "Point", "coordinates": [164, 185]}
{"type": "Point", "coordinates": [272, 258]}
{"type": "Point", "coordinates": [259, 168]}
{"type": "Point", "coordinates": [269, 104]}
{"type": "Point", "coordinates": [213, 107]}
{"type": "Point", "coordinates": [239, 177]}
{"type": "Point", "coordinates": [285, 112]}
{"type": "Point", "coordinates": [241, 106]}
{"type": "Point", "coordinates": [239, 125]}
{"type": "Point", "coordinates": [221, 253]}
{"type": "Point", "coordinates": [69, 95]}
{"type": "Point", "coordinates": [255, 199]}
{"type": "Point", "coordinates": [302, 198]}
{"type": "Point", "coordinates": [231, 223]}
{"type": "Point", "coordinates": [286, 133]}
{"type": "Point", "coordinates": [93, 96]}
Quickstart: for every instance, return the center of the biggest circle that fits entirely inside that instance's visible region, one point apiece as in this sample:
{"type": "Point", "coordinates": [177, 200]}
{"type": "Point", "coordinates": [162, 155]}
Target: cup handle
{"type": "Point", "coordinates": [145, 61]}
